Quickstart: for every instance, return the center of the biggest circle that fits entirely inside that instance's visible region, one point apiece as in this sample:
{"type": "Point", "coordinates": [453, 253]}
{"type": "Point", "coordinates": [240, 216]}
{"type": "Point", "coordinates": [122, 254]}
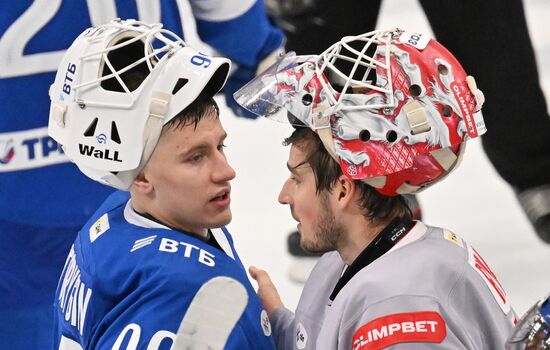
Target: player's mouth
{"type": "Point", "coordinates": [298, 226]}
{"type": "Point", "coordinates": [222, 199]}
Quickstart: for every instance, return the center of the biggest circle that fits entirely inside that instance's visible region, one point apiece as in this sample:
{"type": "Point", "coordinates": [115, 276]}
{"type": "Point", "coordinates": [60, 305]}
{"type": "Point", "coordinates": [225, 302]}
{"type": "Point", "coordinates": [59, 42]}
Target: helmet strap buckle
{"type": "Point", "coordinates": [321, 124]}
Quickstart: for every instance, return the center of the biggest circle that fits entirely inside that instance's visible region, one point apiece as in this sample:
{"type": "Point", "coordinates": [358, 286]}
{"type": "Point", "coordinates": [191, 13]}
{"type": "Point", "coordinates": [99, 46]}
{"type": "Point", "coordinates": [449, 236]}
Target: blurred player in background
{"type": "Point", "coordinates": [44, 200]}
{"type": "Point", "coordinates": [133, 107]}
{"type": "Point", "coordinates": [377, 116]}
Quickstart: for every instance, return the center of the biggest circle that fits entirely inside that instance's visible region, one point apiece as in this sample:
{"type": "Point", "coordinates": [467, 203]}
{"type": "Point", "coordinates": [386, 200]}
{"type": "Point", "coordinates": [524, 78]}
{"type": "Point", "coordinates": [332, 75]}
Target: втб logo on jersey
{"type": "Point", "coordinates": [187, 250]}
{"type": "Point", "coordinates": [140, 243]}
{"type": "Point", "coordinates": [7, 151]}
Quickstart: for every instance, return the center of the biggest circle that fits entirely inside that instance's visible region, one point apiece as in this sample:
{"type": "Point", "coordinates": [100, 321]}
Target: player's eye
{"type": "Point", "coordinates": [196, 158]}
{"type": "Point", "coordinates": [295, 179]}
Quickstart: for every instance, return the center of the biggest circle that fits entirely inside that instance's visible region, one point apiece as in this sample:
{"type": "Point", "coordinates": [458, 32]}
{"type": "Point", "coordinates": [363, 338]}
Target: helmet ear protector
{"type": "Point", "coordinates": [116, 86]}
{"type": "Point", "coordinates": [394, 109]}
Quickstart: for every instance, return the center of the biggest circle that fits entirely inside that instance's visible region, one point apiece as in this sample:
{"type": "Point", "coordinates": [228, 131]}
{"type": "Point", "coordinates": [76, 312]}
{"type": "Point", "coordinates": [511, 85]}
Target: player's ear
{"type": "Point", "coordinates": [344, 189]}
{"type": "Point", "coordinates": [142, 184]}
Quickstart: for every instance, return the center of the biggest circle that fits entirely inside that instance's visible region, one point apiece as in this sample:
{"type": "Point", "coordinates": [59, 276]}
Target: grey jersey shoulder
{"type": "Point", "coordinates": [434, 272]}
{"type": "Point", "coordinates": [437, 259]}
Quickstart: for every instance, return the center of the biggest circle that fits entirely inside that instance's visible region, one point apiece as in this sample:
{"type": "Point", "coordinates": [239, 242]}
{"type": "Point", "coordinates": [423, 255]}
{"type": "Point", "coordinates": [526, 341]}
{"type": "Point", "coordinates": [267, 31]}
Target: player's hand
{"type": "Point", "coordinates": [267, 292]}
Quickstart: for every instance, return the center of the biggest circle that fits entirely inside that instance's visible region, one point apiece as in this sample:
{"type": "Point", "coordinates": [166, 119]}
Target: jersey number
{"type": "Point", "coordinates": [14, 63]}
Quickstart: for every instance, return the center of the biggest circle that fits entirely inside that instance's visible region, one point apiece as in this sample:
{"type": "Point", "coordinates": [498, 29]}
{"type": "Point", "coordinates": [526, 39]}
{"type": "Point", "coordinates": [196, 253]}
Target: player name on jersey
{"type": "Point", "coordinates": [74, 295]}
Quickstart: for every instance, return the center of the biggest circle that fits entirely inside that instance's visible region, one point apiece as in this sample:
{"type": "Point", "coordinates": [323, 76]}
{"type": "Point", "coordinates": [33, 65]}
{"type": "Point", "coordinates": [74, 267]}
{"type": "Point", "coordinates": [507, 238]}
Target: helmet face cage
{"type": "Point", "coordinates": [358, 53]}
{"type": "Point", "coordinates": [155, 40]}
{"type": "Point", "coordinates": [393, 108]}
{"type": "Point", "coordinates": [116, 86]}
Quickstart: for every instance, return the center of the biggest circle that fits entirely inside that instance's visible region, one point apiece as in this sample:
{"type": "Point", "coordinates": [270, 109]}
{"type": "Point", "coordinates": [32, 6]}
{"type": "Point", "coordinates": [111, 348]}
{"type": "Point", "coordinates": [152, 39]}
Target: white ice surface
{"type": "Point", "coordinates": [474, 201]}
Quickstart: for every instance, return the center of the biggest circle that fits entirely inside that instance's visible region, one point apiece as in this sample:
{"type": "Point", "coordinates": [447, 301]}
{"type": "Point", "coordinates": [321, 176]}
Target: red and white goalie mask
{"type": "Point", "coordinates": [393, 108]}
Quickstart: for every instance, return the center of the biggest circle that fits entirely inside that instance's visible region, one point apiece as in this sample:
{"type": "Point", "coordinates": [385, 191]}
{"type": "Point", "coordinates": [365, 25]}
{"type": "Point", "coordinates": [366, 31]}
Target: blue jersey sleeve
{"type": "Point", "coordinates": [246, 37]}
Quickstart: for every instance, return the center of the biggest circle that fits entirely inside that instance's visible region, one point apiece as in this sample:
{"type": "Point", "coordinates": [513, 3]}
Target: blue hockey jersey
{"type": "Point", "coordinates": [44, 199]}
{"type": "Point", "coordinates": [33, 37]}
{"type": "Point", "coordinates": [128, 282]}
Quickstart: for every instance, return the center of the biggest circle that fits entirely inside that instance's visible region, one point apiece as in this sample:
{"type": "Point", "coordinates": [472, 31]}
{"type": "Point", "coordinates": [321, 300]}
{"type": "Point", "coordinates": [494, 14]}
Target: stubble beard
{"type": "Point", "coordinates": [328, 231]}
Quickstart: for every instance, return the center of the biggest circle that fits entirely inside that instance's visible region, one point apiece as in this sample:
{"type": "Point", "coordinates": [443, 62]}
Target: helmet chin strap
{"type": "Point", "coordinates": [155, 122]}
{"type": "Point", "coordinates": [151, 133]}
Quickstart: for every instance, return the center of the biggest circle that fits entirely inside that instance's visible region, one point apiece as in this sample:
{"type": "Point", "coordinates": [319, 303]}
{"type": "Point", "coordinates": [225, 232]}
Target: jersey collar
{"type": "Point", "coordinates": [132, 217]}
{"type": "Point", "coordinates": [138, 220]}
{"type": "Point", "coordinates": [387, 239]}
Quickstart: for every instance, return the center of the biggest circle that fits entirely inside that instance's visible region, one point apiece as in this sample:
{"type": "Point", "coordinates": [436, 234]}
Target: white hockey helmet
{"type": "Point", "coordinates": [116, 87]}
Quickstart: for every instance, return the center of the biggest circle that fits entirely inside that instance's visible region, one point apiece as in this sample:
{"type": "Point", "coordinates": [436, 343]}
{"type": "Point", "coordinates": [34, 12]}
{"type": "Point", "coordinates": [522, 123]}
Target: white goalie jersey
{"type": "Point", "coordinates": [432, 290]}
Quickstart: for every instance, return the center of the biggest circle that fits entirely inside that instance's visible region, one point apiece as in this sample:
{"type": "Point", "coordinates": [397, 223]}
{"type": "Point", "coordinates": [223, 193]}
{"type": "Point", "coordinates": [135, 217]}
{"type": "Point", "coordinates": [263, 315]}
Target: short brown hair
{"type": "Point", "coordinates": [377, 207]}
{"type": "Point", "coordinates": [194, 112]}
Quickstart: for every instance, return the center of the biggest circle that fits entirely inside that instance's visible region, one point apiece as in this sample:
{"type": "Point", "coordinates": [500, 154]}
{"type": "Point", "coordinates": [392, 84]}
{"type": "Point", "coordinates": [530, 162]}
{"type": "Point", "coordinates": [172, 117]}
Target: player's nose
{"type": "Point", "coordinates": [223, 171]}
{"type": "Point", "coordinates": [284, 194]}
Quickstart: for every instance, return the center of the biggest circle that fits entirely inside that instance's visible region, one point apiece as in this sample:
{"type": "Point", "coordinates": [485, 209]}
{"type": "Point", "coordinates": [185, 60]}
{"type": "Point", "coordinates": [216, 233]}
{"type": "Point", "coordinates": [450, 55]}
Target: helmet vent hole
{"type": "Point", "coordinates": [90, 131]}
{"type": "Point", "coordinates": [364, 135]}
{"type": "Point", "coordinates": [179, 84]}
{"type": "Point", "coordinates": [307, 99]}
{"type": "Point", "coordinates": [391, 136]}
{"type": "Point", "coordinates": [217, 80]}
{"type": "Point", "coordinates": [114, 133]}
{"type": "Point", "coordinates": [447, 111]}
{"type": "Point", "coordinates": [415, 90]}
{"type": "Point", "coordinates": [442, 69]}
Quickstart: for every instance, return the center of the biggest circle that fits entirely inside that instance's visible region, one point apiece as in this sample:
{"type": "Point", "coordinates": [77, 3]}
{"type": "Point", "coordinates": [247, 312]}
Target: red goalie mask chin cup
{"type": "Point", "coordinates": [393, 108]}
